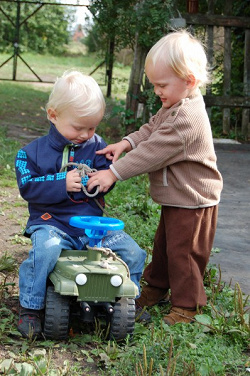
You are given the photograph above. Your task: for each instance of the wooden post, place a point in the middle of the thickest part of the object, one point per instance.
(110, 64)
(192, 6)
(245, 125)
(227, 69)
(16, 41)
(134, 90)
(210, 49)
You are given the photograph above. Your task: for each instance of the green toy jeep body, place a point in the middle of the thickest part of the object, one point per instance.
(97, 282)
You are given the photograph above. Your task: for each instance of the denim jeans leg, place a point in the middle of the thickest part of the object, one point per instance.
(129, 251)
(47, 243)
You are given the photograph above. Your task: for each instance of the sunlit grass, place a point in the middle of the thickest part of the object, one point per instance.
(49, 67)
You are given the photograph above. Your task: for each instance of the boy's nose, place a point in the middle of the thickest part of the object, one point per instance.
(84, 134)
(157, 91)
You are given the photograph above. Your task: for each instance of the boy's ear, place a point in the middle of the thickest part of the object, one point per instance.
(51, 114)
(191, 81)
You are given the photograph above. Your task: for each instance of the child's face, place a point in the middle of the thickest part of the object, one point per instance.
(167, 85)
(75, 129)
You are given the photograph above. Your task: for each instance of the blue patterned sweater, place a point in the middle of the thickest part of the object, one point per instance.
(44, 187)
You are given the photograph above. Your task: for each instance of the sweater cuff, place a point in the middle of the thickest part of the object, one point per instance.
(115, 172)
(130, 141)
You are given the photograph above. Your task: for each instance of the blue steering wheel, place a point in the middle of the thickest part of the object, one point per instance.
(96, 227)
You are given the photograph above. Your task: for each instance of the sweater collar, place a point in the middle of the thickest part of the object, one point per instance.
(57, 140)
(195, 94)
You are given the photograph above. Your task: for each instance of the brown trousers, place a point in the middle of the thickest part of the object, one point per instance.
(182, 246)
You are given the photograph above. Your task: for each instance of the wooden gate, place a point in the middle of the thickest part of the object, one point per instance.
(226, 21)
(17, 24)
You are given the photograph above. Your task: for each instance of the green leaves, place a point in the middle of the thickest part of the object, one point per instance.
(45, 31)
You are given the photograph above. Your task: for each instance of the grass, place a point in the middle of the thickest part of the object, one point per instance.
(48, 68)
(216, 345)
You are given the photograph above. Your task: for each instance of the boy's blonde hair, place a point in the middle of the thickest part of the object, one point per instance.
(77, 92)
(183, 53)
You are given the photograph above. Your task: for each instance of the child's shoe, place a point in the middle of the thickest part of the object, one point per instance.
(152, 295)
(180, 315)
(141, 315)
(29, 324)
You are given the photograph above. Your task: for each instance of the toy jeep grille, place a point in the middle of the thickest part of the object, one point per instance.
(98, 287)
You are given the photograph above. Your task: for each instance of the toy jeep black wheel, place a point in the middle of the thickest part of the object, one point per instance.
(57, 313)
(123, 319)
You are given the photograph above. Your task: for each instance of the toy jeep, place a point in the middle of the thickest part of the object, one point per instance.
(95, 281)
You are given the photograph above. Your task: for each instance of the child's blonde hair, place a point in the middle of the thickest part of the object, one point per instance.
(78, 92)
(183, 53)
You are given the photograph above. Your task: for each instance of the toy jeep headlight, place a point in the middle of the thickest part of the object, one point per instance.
(116, 280)
(81, 279)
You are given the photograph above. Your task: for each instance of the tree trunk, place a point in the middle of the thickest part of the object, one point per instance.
(134, 90)
(245, 126)
(227, 69)
(110, 63)
(210, 51)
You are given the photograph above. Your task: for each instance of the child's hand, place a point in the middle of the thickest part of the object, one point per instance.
(113, 151)
(73, 181)
(104, 179)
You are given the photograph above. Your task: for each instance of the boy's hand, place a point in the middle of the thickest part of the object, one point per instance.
(73, 181)
(104, 179)
(113, 151)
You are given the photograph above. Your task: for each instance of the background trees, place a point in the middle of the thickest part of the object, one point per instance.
(132, 24)
(46, 31)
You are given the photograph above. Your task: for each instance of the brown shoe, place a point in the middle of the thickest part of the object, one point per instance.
(152, 295)
(180, 315)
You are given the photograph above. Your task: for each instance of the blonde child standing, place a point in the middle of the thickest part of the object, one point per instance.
(176, 149)
(75, 108)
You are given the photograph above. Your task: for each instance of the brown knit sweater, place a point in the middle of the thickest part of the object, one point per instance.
(176, 149)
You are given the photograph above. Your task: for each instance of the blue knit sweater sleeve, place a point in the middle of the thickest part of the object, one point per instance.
(34, 187)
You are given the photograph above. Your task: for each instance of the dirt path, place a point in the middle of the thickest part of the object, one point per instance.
(14, 215)
(232, 235)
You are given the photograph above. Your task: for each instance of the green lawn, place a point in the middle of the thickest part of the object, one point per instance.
(49, 67)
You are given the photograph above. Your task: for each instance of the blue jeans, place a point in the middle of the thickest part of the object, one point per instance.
(47, 244)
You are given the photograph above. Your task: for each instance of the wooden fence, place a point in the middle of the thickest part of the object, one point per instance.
(226, 102)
